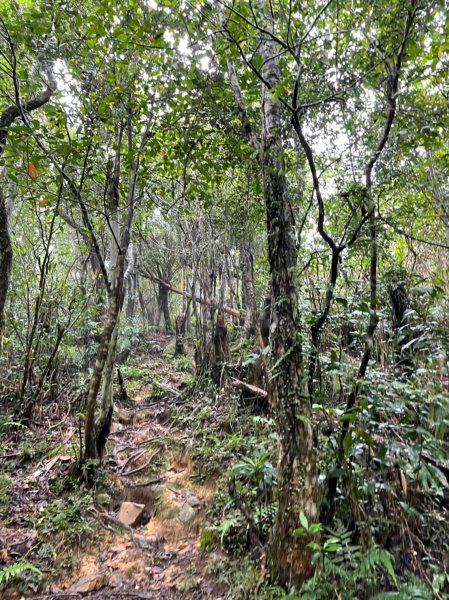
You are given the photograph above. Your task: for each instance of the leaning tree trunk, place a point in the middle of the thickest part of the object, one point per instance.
(104, 420)
(289, 556)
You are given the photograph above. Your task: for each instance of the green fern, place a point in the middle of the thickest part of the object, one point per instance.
(11, 571)
(408, 591)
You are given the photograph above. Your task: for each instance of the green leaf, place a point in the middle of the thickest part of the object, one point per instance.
(303, 520)
(347, 443)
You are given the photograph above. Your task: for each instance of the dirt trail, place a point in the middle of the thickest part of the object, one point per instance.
(161, 557)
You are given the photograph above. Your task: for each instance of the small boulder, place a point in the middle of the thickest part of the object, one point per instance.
(89, 583)
(187, 513)
(193, 501)
(131, 514)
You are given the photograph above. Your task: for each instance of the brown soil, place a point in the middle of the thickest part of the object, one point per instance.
(162, 558)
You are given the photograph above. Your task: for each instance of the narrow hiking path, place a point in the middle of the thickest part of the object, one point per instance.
(149, 521)
(161, 555)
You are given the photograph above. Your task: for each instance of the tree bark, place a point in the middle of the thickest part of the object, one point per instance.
(90, 431)
(221, 348)
(248, 290)
(180, 328)
(103, 422)
(95, 434)
(163, 307)
(289, 557)
(5, 264)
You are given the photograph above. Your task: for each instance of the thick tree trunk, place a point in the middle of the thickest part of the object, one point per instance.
(289, 556)
(163, 307)
(180, 328)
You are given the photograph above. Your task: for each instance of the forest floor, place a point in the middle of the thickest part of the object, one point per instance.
(81, 541)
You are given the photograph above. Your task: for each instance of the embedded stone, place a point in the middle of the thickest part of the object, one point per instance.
(193, 501)
(187, 513)
(89, 583)
(131, 514)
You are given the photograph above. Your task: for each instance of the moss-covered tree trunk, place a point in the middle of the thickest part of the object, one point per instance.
(5, 263)
(289, 556)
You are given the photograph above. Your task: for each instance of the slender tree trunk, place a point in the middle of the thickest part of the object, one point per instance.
(90, 432)
(132, 282)
(5, 264)
(95, 439)
(103, 422)
(248, 290)
(221, 348)
(7, 118)
(143, 308)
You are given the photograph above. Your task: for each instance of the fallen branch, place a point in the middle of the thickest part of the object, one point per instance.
(167, 388)
(247, 387)
(205, 301)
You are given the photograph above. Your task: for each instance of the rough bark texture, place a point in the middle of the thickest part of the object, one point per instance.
(248, 290)
(163, 307)
(5, 263)
(221, 348)
(180, 328)
(90, 441)
(289, 556)
(264, 322)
